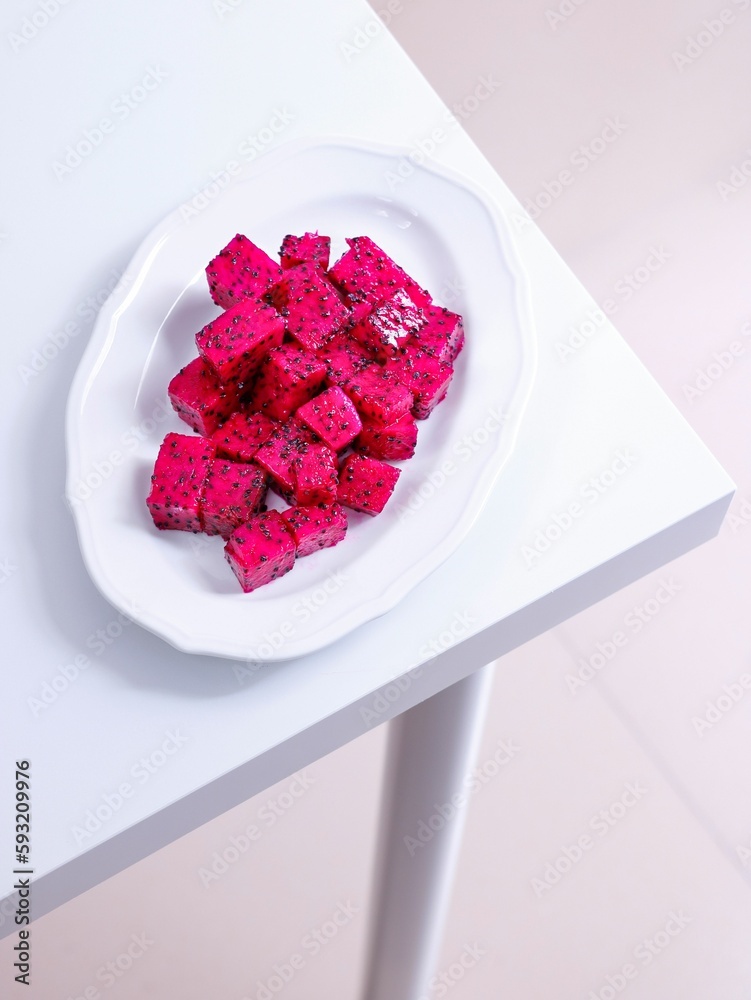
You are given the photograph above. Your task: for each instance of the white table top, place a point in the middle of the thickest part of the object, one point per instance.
(238, 728)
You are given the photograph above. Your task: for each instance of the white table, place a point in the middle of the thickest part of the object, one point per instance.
(222, 732)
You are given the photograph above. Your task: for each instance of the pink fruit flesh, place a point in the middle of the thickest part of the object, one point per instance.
(308, 249)
(389, 324)
(366, 484)
(332, 416)
(344, 358)
(314, 476)
(310, 306)
(396, 442)
(241, 271)
(242, 434)
(442, 335)
(425, 376)
(316, 528)
(235, 343)
(178, 482)
(368, 275)
(200, 399)
(261, 550)
(287, 379)
(303, 363)
(234, 493)
(277, 454)
(379, 398)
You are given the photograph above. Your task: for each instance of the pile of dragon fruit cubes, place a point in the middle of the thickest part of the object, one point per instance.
(310, 383)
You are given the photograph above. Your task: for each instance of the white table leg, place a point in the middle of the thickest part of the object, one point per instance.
(431, 749)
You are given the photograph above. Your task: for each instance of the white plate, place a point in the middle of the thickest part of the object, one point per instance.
(443, 231)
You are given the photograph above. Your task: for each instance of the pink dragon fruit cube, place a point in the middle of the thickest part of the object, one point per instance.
(179, 482)
(366, 484)
(235, 343)
(310, 306)
(242, 434)
(314, 476)
(332, 417)
(425, 376)
(241, 271)
(234, 493)
(344, 358)
(276, 455)
(307, 249)
(287, 379)
(200, 399)
(368, 275)
(389, 324)
(261, 550)
(396, 441)
(442, 335)
(316, 528)
(379, 397)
